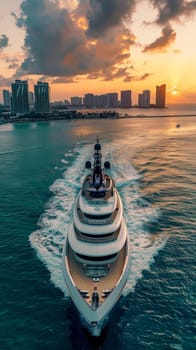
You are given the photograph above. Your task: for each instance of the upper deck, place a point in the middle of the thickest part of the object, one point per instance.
(98, 187)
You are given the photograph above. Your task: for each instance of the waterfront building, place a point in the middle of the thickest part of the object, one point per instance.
(112, 100)
(140, 100)
(102, 101)
(20, 103)
(6, 98)
(125, 100)
(31, 100)
(95, 100)
(88, 100)
(76, 101)
(31, 97)
(144, 99)
(160, 96)
(42, 100)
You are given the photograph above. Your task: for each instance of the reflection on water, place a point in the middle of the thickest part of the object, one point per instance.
(6, 127)
(153, 164)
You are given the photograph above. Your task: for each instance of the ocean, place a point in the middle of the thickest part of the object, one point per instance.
(41, 170)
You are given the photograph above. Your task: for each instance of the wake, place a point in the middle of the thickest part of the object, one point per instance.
(53, 224)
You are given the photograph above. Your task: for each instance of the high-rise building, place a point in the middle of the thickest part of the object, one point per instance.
(20, 104)
(140, 100)
(42, 97)
(88, 100)
(160, 96)
(112, 100)
(76, 101)
(31, 100)
(6, 98)
(102, 101)
(144, 99)
(125, 100)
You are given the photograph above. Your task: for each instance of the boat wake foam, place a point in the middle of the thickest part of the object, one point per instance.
(48, 240)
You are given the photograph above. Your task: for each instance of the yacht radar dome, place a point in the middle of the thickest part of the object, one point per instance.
(88, 164)
(97, 145)
(107, 165)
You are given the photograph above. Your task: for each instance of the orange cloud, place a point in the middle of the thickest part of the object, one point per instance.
(163, 42)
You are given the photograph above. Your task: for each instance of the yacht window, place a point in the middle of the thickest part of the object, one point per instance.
(97, 236)
(97, 217)
(97, 194)
(97, 258)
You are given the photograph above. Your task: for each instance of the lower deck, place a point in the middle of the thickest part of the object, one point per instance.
(99, 278)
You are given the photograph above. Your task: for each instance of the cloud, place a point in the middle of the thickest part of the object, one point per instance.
(63, 80)
(169, 11)
(176, 51)
(72, 39)
(58, 42)
(173, 9)
(14, 62)
(103, 15)
(3, 41)
(130, 78)
(5, 82)
(161, 44)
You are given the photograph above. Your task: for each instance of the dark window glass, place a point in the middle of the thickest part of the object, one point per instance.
(97, 258)
(97, 236)
(97, 194)
(97, 217)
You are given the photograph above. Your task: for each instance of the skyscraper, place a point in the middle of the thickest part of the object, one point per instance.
(125, 100)
(89, 100)
(112, 100)
(102, 101)
(140, 100)
(31, 100)
(20, 103)
(76, 101)
(42, 100)
(144, 99)
(6, 98)
(160, 96)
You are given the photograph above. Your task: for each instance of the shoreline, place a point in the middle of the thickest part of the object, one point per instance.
(91, 116)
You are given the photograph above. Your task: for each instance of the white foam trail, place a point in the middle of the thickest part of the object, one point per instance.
(138, 212)
(49, 239)
(64, 161)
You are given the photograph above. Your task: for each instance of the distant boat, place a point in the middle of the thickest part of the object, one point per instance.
(178, 125)
(96, 252)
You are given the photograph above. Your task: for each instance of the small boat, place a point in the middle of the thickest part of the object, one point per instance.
(96, 250)
(178, 125)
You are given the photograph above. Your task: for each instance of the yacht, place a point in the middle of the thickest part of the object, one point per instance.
(96, 250)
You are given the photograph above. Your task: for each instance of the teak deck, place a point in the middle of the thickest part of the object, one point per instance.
(89, 284)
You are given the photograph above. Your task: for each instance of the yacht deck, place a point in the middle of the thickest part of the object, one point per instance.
(103, 192)
(103, 280)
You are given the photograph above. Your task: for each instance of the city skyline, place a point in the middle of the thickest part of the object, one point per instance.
(84, 46)
(39, 100)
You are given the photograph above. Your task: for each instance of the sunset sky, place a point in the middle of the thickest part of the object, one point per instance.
(100, 46)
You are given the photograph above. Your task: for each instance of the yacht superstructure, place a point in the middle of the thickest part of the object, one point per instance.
(96, 250)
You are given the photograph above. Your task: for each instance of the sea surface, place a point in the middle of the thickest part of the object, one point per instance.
(41, 170)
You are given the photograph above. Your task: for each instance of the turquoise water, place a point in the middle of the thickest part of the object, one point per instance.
(41, 169)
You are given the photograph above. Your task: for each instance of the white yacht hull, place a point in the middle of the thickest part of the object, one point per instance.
(94, 320)
(96, 251)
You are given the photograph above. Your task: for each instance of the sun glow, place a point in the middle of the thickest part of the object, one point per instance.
(174, 92)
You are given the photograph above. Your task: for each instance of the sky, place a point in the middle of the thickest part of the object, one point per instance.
(100, 46)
